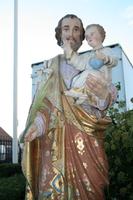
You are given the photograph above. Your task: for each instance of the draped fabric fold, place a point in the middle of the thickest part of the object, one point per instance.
(68, 162)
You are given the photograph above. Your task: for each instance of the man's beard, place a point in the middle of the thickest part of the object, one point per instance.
(76, 45)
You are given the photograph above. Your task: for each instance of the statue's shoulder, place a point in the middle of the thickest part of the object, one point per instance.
(54, 60)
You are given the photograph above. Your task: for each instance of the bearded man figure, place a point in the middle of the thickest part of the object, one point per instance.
(64, 157)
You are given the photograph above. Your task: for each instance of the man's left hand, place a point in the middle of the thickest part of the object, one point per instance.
(97, 85)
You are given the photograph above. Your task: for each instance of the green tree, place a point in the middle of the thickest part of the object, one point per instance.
(119, 149)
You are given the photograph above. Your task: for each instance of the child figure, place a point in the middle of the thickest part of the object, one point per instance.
(98, 63)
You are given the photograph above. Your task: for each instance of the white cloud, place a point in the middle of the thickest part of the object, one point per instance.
(130, 22)
(128, 14)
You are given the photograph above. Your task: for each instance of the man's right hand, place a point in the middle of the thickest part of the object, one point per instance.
(31, 134)
(37, 128)
(67, 49)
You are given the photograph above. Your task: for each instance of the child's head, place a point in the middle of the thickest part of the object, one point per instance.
(95, 35)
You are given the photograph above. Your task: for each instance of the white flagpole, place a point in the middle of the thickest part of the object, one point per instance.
(15, 122)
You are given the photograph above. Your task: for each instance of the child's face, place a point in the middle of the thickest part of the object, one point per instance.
(93, 37)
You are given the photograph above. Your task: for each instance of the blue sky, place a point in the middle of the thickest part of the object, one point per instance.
(37, 21)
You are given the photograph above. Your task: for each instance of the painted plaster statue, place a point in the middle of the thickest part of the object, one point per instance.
(63, 156)
(98, 63)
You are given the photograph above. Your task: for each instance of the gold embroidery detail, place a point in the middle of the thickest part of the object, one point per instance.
(87, 183)
(96, 143)
(85, 165)
(80, 143)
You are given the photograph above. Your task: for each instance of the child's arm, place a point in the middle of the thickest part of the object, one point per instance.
(107, 56)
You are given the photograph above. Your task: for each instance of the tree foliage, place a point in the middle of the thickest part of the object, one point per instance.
(12, 182)
(119, 149)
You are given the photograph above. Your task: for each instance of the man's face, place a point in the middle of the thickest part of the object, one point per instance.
(71, 31)
(93, 37)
